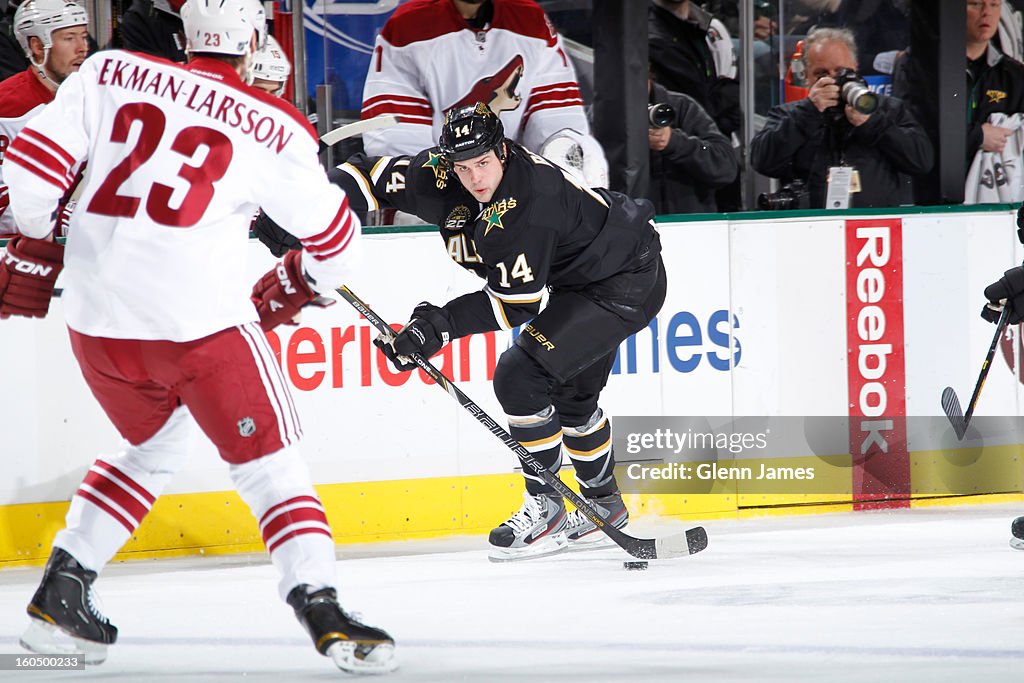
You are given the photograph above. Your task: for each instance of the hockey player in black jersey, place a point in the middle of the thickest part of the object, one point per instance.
(526, 227)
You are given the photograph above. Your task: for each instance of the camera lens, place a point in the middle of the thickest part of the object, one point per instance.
(660, 115)
(860, 98)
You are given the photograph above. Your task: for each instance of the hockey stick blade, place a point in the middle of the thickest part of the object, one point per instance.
(358, 128)
(951, 406)
(677, 545)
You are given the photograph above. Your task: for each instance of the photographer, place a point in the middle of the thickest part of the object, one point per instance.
(690, 157)
(876, 145)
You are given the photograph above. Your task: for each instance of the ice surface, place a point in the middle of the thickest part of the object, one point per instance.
(930, 595)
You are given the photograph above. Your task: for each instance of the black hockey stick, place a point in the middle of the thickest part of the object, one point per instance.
(951, 404)
(678, 545)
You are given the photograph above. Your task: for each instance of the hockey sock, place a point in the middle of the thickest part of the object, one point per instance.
(292, 521)
(118, 492)
(541, 435)
(589, 446)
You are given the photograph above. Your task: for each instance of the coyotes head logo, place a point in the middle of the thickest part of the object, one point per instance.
(498, 91)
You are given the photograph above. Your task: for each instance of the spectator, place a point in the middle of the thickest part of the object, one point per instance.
(433, 56)
(994, 115)
(995, 85)
(802, 140)
(154, 27)
(691, 53)
(690, 157)
(12, 57)
(995, 82)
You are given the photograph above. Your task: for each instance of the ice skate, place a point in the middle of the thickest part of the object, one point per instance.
(582, 534)
(534, 531)
(64, 616)
(1017, 534)
(354, 647)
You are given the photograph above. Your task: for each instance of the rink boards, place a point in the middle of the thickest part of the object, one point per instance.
(799, 315)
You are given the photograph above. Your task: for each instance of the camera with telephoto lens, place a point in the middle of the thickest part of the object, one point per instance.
(660, 115)
(794, 195)
(854, 91)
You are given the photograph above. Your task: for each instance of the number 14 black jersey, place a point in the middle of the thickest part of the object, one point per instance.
(541, 228)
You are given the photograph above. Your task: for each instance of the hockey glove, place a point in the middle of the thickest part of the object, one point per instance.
(1010, 288)
(429, 329)
(280, 294)
(278, 240)
(1020, 223)
(27, 276)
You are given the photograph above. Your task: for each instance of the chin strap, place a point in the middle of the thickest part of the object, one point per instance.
(41, 69)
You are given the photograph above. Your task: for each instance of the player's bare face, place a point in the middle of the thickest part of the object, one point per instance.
(70, 48)
(480, 175)
(271, 87)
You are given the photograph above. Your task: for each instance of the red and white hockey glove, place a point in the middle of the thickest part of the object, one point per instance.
(280, 294)
(28, 273)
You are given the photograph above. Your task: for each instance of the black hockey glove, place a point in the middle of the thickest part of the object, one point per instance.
(1011, 288)
(429, 329)
(1020, 223)
(278, 240)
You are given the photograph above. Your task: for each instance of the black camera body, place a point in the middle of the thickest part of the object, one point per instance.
(854, 91)
(794, 195)
(660, 115)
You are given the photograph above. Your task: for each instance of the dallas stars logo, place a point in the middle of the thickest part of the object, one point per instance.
(433, 163)
(494, 221)
(494, 213)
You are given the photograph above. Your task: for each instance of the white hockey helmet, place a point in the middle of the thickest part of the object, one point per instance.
(40, 18)
(271, 64)
(223, 27)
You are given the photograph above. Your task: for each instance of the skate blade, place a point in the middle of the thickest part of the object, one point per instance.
(348, 657)
(47, 639)
(549, 546)
(1017, 543)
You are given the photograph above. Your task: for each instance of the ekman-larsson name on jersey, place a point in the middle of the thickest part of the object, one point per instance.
(216, 105)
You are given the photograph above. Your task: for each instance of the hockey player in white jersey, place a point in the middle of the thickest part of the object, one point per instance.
(159, 313)
(271, 68)
(54, 37)
(435, 56)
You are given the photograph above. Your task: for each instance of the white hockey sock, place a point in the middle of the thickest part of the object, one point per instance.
(119, 491)
(292, 521)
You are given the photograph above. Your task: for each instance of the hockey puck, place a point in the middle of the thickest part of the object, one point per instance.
(641, 565)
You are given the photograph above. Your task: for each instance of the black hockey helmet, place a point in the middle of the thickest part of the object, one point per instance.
(471, 131)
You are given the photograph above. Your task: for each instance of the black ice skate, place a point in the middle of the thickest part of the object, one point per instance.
(1017, 534)
(534, 531)
(64, 608)
(354, 647)
(582, 534)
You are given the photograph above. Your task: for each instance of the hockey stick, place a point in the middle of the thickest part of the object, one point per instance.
(358, 128)
(951, 404)
(678, 545)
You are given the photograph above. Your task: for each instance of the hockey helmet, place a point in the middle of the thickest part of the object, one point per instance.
(271, 64)
(40, 18)
(471, 131)
(223, 27)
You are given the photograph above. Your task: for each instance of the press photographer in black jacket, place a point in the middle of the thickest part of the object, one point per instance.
(690, 158)
(803, 140)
